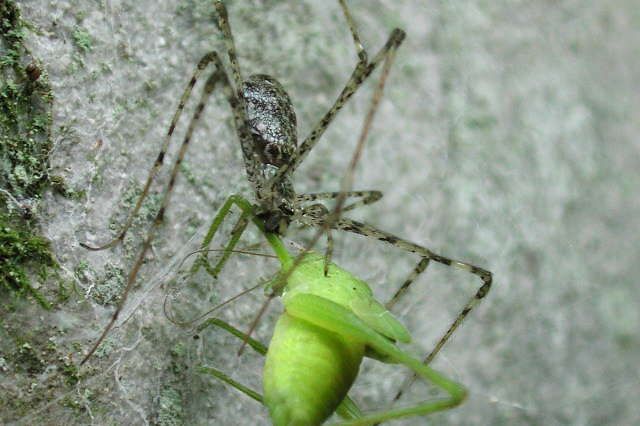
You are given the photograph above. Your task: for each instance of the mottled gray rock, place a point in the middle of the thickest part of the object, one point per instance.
(507, 137)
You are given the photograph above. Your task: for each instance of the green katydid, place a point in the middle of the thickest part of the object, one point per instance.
(329, 324)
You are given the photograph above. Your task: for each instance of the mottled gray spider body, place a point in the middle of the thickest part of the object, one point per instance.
(272, 124)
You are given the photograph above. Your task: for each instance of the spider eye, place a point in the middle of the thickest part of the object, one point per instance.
(286, 209)
(273, 153)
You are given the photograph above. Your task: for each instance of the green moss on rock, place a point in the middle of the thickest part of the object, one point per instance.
(25, 142)
(20, 250)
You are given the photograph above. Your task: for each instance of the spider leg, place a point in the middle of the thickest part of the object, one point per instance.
(358, 76)
(225, 27)
(367, 197)
(202, 65)
(473, 301)
(427, 255)
(417, 270)
(237, 105)
(347, 181)
(328, 254)
(251, 159)
(362, 54)
(218, 76)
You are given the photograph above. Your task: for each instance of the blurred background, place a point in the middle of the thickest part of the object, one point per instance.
(507, 137)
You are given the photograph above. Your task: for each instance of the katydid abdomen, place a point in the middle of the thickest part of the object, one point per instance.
(308, 372)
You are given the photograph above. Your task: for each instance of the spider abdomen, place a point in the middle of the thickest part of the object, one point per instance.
(271, 119)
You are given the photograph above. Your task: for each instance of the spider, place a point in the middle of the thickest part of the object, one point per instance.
(265, 124)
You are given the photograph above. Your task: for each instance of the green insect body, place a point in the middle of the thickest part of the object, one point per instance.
(330, 323)
(308, 372)
(309, 369)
